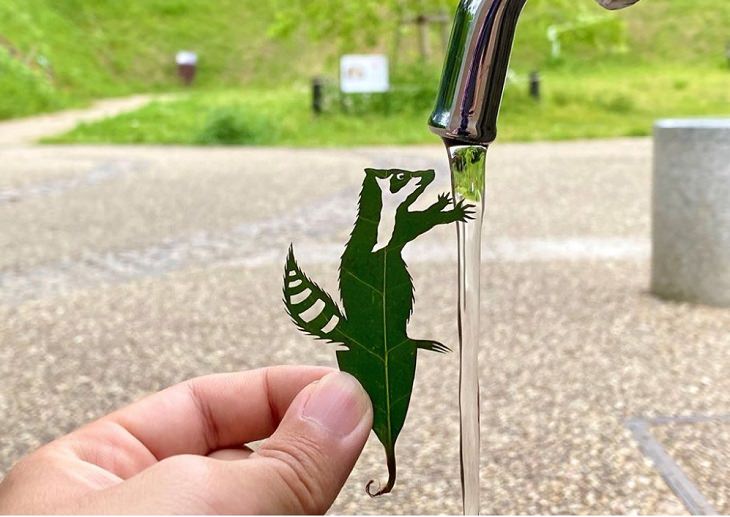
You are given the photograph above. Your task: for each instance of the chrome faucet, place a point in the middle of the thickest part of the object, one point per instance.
(476, 67)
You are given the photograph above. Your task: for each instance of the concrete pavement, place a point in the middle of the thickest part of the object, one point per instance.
(125, 269)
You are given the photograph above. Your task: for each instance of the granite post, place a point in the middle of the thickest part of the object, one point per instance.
(691, 211)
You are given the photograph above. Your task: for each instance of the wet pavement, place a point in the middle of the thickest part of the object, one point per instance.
(126, 269)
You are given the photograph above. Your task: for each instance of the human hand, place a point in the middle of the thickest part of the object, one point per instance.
(181, 451)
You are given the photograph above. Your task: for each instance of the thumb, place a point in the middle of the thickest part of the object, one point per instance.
(301, 468)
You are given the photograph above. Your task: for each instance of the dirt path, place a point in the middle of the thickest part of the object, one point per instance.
(28, 130)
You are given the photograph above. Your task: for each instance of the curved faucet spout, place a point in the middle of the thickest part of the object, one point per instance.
(473, 79)
(616, 4)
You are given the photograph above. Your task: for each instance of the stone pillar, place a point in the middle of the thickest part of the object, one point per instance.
(691, 211)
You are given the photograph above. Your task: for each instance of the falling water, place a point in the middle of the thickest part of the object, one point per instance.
(468, 170)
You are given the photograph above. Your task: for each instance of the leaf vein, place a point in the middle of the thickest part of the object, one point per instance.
(353, 275)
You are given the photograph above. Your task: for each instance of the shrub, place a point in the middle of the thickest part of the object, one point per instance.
(233, 125)
(618, 103)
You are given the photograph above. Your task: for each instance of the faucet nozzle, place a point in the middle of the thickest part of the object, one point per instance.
(616, 4)
(473, 78)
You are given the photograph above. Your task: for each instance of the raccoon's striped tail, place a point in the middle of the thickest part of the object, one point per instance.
(311, 309)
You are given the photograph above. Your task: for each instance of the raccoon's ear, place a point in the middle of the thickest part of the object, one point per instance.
(378, 173)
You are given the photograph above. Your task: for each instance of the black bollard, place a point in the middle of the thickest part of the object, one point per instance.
(317, 95)
(535, 85)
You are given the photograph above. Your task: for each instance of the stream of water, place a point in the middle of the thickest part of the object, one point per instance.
(468, 171)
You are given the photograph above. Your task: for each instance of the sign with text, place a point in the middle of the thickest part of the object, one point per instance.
(364, 73)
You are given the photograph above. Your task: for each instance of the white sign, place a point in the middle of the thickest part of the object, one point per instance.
(361, 73)
(186, 57)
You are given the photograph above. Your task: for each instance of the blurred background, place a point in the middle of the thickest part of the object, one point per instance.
(601, 74)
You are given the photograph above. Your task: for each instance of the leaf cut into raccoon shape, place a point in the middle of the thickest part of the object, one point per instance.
(377, 294)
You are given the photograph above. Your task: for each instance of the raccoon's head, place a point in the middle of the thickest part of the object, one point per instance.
(396, 180)
(398, 190)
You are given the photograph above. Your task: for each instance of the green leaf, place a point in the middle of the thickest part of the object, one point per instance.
(377, 295)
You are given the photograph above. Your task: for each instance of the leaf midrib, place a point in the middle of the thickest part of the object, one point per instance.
(385, 352)
(385, 359)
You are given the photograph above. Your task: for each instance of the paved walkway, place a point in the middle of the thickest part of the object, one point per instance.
(125, 269)
(30, 129)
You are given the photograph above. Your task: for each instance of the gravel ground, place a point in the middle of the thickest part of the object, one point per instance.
(124, 270)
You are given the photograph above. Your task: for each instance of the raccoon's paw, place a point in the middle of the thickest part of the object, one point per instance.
(443, 201)
(463, 212)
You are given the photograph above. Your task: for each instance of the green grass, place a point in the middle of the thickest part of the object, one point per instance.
(57, 53)
(24, 91)
(607, 101)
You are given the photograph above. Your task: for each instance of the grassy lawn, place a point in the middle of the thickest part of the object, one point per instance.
(58, 53)
(584, 103)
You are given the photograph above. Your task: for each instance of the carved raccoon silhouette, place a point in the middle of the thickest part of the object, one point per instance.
(377, 296)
